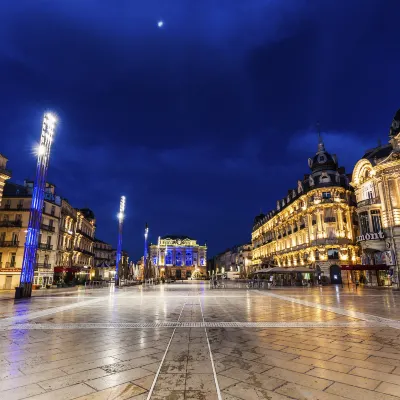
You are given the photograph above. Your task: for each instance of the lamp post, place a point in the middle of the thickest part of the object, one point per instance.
(35, 216)
(121, 217)
(146, 235)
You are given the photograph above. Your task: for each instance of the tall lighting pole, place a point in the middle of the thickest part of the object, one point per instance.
(146, 235)
(121, 217)
(35, 216)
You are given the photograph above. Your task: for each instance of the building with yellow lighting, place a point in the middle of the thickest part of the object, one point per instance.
(14, 219)
(5, 174)
(376, 180)
(314, 226)
(179, 257)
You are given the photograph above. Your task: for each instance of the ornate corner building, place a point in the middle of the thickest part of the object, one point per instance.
(314, 225)
(178, 256)
(376, 180)
(14, 218)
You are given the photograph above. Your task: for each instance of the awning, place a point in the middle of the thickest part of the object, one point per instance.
(279, 270)
(359, 267)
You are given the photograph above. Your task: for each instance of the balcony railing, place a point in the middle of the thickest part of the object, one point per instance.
(9, 243)
(89, 253)
(84, 234)
(43, 265)
(45, 246)
(5, 171)
(19, 207)
(11, 224)
(8, 264)
(47, 227)
(368, 202)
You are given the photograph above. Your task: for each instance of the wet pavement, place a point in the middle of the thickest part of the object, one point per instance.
(185, 341)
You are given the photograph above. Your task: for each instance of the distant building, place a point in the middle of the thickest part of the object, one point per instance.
(314, 226)
(4, 174)
(14, 218)
(237, 260)
(376, 179)
(180, 257)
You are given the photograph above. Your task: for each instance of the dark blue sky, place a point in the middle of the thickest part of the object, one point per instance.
(202, 123)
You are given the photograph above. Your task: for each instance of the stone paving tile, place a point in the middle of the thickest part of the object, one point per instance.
(350, 392)
(170, 382)
(244, 391)
(389, 388)
(168, 395)
(305, 393)
(68, 393)
(353, 380)
(21, 392)
(71, 369)
(108, 381)
(121, 392)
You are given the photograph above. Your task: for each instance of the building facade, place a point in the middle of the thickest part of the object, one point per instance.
(376, 180)
(14, 219)
(5, 174)
(314, 226)
(179, 257)
(103, 261)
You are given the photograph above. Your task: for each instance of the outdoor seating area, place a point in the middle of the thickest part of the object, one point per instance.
(277, 276)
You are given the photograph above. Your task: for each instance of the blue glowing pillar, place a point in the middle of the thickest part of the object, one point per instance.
(146, 235)
(121, 217)
(35, 216)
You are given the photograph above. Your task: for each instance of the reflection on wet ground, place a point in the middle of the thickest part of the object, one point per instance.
(184, 340)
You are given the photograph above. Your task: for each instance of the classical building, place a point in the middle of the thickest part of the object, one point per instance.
(237, 260)
(314, 225)
(376, 180)
(14, 218)
(4, 174)
(179, 256)
(75, 254)
(103, 260)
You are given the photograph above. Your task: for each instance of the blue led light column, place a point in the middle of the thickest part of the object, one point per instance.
(35, 216)
(121, 217)
(146, 267)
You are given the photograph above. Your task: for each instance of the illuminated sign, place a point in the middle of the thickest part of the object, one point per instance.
(371, 236)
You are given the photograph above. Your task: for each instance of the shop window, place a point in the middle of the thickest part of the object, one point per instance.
(376, 221)
(333, 254)
(364, 222)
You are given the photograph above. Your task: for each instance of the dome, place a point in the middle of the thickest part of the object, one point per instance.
(322, 161)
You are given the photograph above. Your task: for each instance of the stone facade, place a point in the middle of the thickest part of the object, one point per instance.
(14, 218)
(178, 256)
(376, 180)
(314, 225)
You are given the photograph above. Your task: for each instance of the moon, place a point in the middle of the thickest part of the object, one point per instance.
(160, 24)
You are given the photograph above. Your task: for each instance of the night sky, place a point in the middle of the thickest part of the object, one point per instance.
(203, 122)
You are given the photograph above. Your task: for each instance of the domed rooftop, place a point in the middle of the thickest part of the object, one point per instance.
(322, 161)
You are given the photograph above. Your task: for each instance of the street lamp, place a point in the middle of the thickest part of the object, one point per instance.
(35, 216)
(121, 216)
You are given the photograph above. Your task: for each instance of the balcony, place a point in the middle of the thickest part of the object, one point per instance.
(11, 224)
(8, 264)
(45, 246)
(326, 241)
(48, 228)
(43, 265)
(51, 213)
(19, 207)
(80, 231)
(89, 253)
(9, 243)
(4, 171)
(369, 202)
(329, 219)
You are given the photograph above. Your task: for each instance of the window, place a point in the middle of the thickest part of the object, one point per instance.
(168, 257)
(12, 259)
(18, 217)
(376, 221)
(333, 254)
(188, 261)
(53, 210)
(178, 259)
(364, 222)
(326, 195)
(316, 255)
(14, 237)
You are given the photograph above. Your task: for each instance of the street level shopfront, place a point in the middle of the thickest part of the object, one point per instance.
(368, 275)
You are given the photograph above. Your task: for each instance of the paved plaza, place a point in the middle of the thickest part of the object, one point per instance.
(185, 341)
